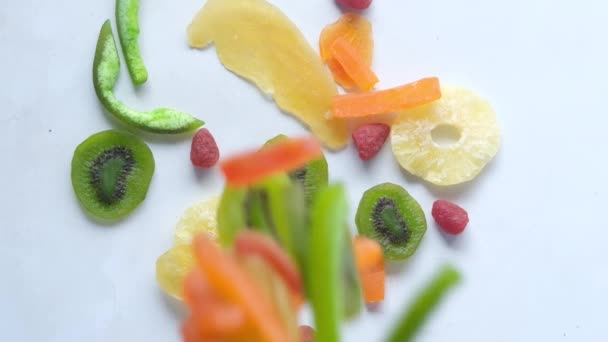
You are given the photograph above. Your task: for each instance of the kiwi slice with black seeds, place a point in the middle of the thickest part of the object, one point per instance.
(388, 214)
(111, 174)
(312, 176)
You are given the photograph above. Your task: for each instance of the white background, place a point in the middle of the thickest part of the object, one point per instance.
(534, 255)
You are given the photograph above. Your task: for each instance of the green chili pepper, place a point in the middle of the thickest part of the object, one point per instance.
(427, 300)
(127, 21)
(106, 68)
(327, 226)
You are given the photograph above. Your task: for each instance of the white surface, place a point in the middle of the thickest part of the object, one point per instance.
(533, 256)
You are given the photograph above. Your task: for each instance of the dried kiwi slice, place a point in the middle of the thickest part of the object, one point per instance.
(388, 214)
(313, 176)
(111, 173)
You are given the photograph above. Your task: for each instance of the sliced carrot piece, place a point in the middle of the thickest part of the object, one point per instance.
(387, 101)
(210, 316)
(230, 281)
(253, 243)
(357, 31)
(288, 155)
(373, 286)
(370, 264)
(353, 64)
(368, 254)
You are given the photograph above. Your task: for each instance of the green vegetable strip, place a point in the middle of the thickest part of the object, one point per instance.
(328, 215)
(231, 215)
(127, 20)
(106, 68)
(426, 301)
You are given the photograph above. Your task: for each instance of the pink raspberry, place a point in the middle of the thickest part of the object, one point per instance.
(204, 152)
(355, 4)
(369, 139)
(450, 217)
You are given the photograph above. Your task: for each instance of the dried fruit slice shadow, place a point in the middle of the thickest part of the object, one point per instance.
(111, 174)
(388, 214)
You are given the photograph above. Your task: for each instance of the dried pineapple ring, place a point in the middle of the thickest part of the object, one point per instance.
(475, 122)
(172, 268)
(198, 219)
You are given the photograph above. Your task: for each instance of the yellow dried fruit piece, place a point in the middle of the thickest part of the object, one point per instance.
(255, 40)
(461, 117)
(198, 219)
(173, 267)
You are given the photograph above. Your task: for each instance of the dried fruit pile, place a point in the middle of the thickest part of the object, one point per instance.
(278, 237)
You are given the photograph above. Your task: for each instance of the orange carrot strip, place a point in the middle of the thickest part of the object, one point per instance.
(373, 286)
(251, 167)
(354, 65)
(370, 264)
(357, 31)
(210, 316)
(253, 243)
(229, 280)
(387, 101)
(368, 254)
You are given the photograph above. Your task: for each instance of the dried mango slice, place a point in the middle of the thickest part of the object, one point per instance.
(357, 31)
(477, 137)
(198, 219)
(257, 41)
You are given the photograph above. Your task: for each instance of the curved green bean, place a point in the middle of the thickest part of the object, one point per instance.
(127, 21)
(412, 319)
(106, 68)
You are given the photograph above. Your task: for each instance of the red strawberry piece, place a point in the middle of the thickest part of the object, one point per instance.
(307, 334)
(355, 4)
(369, 139)
(450, 217)
(204, 152)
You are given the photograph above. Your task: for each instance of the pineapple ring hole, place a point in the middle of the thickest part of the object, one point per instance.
(445, 135)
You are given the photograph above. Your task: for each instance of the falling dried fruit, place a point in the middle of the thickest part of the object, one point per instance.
(463, 110)
(255, 40)
(204, 152)
(450, 217)
(357, 31)
(285, 156)
(369, 139)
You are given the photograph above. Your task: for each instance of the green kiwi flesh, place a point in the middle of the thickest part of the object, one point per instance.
(388, 214)
(111, 174)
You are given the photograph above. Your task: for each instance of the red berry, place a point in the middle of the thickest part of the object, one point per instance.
(307, 334)
(370, 138)
(355, 4)
(204, 152)
(451, 218)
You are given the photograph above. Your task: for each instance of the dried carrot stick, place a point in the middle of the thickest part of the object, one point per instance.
(284, 156)
(370, 264)
(229, 280)
(387, 101)
(353, 64)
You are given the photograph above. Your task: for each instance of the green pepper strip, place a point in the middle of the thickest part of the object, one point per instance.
(328, 215)
(127, 20)
(106, 68)
(412, 319)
